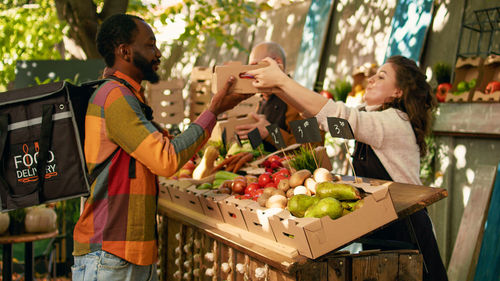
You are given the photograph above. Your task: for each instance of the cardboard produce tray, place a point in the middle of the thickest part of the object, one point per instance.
(384, 202)
(313, 237)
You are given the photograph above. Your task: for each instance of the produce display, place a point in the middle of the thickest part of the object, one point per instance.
(290, 182)
(303, 193)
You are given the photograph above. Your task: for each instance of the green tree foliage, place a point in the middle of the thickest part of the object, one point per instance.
(29, 31)
(35, 29)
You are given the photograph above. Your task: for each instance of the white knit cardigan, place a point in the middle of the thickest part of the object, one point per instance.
(388, 132)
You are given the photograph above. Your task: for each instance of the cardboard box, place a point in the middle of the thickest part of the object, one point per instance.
(165, 184)
(229, 124)
(231, 209)
(201, 73)
(314, 237)
(243, 84)
(491, 72)
(188, 198)
(243, 108)
(257, 220)
(466, 69)
(210, 204)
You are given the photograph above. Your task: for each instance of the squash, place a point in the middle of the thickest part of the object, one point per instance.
(4, 222)
(206, 165)
(40, 219)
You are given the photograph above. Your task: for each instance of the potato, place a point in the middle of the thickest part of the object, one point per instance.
(262, 200)
(276, 201)
(322, 174)
(310, 183)
(269, 191)
(290, 193)
(284, 185)
(299, 177)
(278, 192)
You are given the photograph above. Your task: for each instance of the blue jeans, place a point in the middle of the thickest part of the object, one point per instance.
(101, 265)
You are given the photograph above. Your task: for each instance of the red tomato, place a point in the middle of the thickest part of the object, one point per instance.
(264, 179)
(251, 188)
(277, 178)
(273, 158)
(326, 94)
(270, 184)
(282, 171)
(492, 87)
(257, 193)
(276, 164)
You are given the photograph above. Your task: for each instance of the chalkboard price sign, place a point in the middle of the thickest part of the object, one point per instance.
(306, 130)
(277, 138)
(254, 137)
(339, 128)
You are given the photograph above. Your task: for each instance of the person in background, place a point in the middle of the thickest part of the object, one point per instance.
(271, 110)
(390, 133)
(115, 237)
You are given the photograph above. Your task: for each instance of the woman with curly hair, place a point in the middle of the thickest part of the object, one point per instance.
(390, 132)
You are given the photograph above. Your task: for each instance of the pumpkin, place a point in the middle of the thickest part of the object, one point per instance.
(40, 219)
(4, 222)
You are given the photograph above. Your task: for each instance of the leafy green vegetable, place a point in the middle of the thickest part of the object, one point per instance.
(303, 159)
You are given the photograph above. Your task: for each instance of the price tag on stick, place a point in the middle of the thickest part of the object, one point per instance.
(223, 138)
(238, 140)
(339, 128)
(306, 130)
(276, 136)
(254, 137)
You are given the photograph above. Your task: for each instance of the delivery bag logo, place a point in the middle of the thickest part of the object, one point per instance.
(26, 160)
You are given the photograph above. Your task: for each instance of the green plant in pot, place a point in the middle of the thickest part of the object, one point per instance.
(16, 225)
(342, 88)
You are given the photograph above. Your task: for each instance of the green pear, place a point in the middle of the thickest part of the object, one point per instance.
(325, 207)
(339, 191)
(298, 204)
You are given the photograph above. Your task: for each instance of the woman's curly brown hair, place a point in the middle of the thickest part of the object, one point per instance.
(417, 100)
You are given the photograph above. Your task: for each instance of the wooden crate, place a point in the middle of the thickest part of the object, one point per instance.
(200, 92)
(193, 253)
(165, 98)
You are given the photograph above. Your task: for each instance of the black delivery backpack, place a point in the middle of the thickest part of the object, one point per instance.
(42, 130)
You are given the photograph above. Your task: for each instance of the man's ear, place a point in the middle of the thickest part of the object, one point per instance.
(124, 52)
(279, 61)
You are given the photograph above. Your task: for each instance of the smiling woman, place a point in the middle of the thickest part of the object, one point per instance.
(389, 131)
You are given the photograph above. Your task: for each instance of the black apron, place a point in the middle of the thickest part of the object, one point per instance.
(398, 234)
(275, 111)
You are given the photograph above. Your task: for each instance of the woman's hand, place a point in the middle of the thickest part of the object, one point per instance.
(261, 123)
(269, 76)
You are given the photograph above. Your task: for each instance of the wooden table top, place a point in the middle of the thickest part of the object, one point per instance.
(27, 237)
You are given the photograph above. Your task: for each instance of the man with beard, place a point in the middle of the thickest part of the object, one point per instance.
(115, 237)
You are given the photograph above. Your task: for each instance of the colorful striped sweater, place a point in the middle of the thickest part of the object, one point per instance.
(120, 214)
